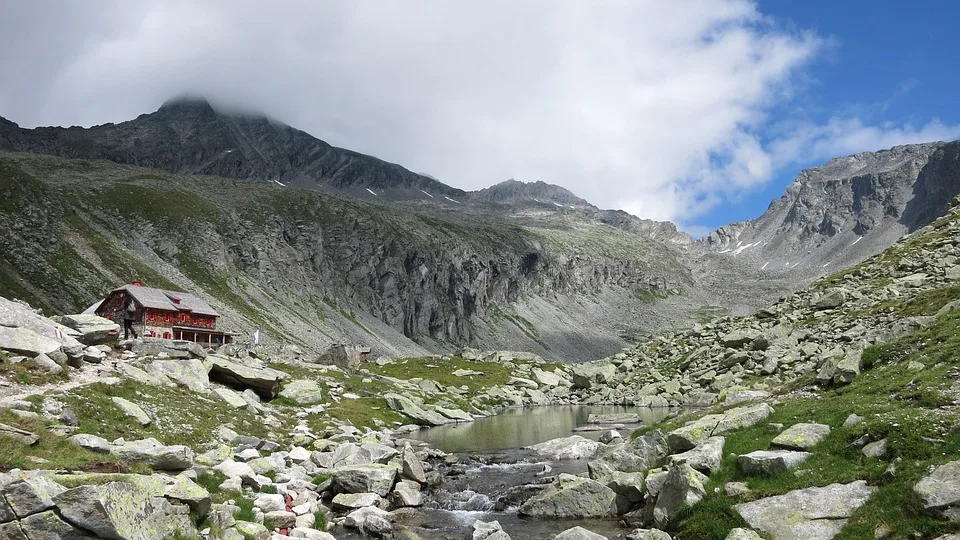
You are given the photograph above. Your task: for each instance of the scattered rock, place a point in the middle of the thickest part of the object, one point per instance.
(818, 512)
(801, 436)
(770, 462)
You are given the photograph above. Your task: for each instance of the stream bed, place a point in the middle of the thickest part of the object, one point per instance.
(489, 464)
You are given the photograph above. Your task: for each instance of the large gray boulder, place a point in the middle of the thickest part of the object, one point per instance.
(27, 342)
(261, 379)
(641, 454)
(172, 348)
(31, 495)
(770, 462)
(692, 434)
(831, 299)
(590, 374)
(573, 447)
(571, 497)
(683, 487)
(372, 478)
(190, 373)
(741, 338)
(418, 414)
(91, 329)
(411, 466)
(801, 436)
(371, 520)
(818, 512)
(155, 454)
(23, 331)
(940, 491)
(49, 525)
(302, 391)
(705, 457)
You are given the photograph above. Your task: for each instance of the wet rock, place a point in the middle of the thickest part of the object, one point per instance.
(818, 512)
(489, 530)
(801, 436)
(579, 533)
(571, 497)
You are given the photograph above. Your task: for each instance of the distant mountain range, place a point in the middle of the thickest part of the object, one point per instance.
(283, 232)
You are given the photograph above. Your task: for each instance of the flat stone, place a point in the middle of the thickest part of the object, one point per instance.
(769, 462)
(801, 436)
(705, 457)
(231, 397)
(579, 533)
(818, 512)
(355, 500)
(90, 442)
(940, 490)
(573, 447)
(691, 435)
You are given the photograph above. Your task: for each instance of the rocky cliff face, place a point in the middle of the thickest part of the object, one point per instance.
(319, 269)
(838, 214)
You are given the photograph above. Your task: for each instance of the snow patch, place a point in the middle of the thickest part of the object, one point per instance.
(279, 183)
(826, 265)
(764, 265)
(558, 205)
(859, 238)
(427, 194)
(726, 250)
(371, 192)
(740, 249)
(451, 200)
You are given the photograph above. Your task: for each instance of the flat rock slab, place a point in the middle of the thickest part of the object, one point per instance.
(811, 513)
(770, 462)
(705, 457)
(690, 435)
(801, 436)
(573, 447)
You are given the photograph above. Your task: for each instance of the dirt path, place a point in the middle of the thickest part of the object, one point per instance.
(11, 391)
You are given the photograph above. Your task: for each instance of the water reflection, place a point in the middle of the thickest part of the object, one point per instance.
(516, 428)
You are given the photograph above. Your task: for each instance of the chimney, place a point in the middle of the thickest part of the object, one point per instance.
(136, 283)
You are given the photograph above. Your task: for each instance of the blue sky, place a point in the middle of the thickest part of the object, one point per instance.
(884, 63)
(696, 111)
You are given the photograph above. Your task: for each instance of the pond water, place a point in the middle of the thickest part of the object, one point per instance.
(492, 461)
(516, 428)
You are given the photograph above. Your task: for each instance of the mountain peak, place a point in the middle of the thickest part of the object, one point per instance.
(188, 103)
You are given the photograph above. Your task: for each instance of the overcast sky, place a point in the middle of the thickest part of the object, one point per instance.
(693, 111)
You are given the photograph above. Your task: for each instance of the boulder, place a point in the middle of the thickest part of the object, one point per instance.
(31, 495)
(352, 501)
(741, 338)
(817, 512)
(548, 379)
(186, 491)
(705, 457)
(831, 299)
(155, 454)
(491, 530)
(48, 364)
(940, 490)
(847, 369)
(640, 454)
(231, 398)
(171, 348)
(573, 447)
(190, 373)
(49, 525)
(91, 329)
(371, 520)
(302, 391)
(571, 497)
(648, 534)
(262, 380)
(579, 533)
(770, 462)
(132, 410)
(406, 494)
(419, 415)
(590, 374)
(90, 442)
(683, 487)
(692, 434)
(127, 509)
(627, 485)
(743, 534)
(411, 466)
(372, 478)
(801, 436)
(20, 435)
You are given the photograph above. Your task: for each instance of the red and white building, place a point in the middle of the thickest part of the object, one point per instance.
(166, 314)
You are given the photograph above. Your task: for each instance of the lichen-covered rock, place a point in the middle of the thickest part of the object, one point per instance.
(132, 410)
(770, 462)
(355, 500)
(31, 495)
(801, 436)
(940, 490)
(573, 447)
(421, 416)
(372, 478)
(185, 490)
(683, 487)
(262, 380)
(571, 497)
(691, 435)
(189, 373)
(705, 457)
(302, 391)
(155, 454)
(818, 512)
(48, 525)
(743, 534)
